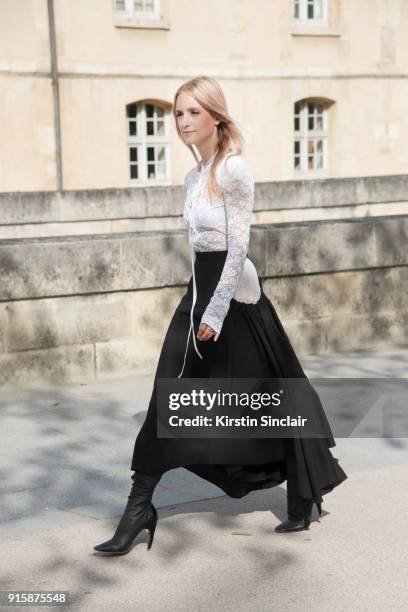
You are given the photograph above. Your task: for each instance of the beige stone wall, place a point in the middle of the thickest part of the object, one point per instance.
(263, 62)
(112, 211)
(86, 308)
(85, 338)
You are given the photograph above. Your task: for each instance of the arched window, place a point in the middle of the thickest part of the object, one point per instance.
(311, 131)
(148, 129)
(310, 11)
(137, 8)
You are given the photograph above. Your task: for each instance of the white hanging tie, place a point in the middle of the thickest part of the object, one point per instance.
(191, 328)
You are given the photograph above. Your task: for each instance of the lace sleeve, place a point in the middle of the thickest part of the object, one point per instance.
(238, 189)
(187, 187)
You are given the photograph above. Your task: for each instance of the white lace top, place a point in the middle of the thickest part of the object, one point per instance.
(222, 223)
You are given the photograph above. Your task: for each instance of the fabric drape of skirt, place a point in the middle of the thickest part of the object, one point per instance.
(252, 344)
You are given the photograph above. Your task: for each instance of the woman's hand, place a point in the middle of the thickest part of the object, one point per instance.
(205, 332)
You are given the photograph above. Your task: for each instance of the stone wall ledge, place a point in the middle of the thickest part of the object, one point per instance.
(163, 201)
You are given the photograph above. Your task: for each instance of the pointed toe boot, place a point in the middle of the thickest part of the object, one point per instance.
(139, 514)
(293, 525)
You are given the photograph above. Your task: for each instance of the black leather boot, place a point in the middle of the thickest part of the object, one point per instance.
(299, 508)
(296, 523)
(139, 514)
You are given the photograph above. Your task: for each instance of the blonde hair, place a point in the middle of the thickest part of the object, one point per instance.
(209, 94)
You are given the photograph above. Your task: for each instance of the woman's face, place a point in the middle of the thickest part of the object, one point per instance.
(195, 123)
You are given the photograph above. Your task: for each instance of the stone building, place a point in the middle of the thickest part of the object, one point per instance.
(318, 86)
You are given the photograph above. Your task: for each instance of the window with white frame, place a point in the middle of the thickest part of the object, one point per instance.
(148, 129)
(137, 8)
(310, 11)
(311, 131)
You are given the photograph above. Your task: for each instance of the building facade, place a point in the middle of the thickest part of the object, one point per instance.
(319, 88)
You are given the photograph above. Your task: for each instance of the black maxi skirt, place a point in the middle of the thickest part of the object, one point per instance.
(252, 344)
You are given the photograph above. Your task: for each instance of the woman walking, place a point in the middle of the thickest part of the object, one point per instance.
(224, 327)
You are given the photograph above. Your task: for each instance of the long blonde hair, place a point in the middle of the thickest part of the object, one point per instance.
(209, 94)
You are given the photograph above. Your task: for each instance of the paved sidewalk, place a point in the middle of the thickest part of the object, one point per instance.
(65, 475)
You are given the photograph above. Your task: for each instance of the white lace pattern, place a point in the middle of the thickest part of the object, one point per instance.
(223, 223)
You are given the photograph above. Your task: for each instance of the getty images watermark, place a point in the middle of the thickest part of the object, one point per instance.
(281, 407)
(209, 401)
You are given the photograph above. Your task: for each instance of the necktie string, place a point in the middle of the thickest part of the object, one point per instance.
(191, 236)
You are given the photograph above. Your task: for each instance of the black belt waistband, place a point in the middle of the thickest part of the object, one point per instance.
(210, 254)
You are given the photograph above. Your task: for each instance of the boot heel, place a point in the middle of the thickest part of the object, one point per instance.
(152, 528)
(151, 536)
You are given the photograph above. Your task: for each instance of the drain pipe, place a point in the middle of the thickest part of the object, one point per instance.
(55, 94)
